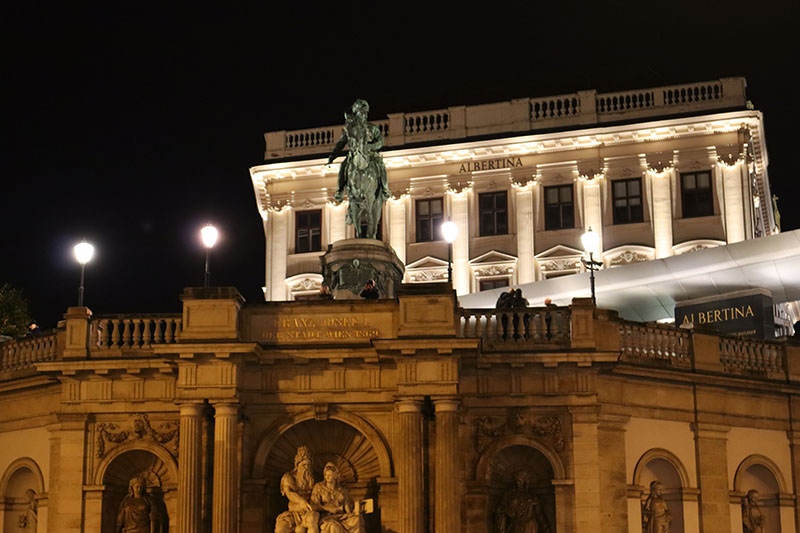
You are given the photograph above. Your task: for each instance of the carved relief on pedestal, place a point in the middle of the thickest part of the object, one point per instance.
(522, 422)
(109, 434)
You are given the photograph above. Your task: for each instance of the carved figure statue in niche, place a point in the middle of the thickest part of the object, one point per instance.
(753, 520)
(29, 520)
(139, 512)
(362, 174)
(519, 510)
(301, 517)
(655, 513)
(335, 504)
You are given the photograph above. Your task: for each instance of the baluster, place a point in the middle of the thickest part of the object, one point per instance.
(492, 322)
(126, 333)
(136, 333)
(158, 333)
(116, 333)
(147, 335)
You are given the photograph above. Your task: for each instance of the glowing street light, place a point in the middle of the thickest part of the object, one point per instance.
(449, 232)
(83, 254)
(591, 243)
(209, 236)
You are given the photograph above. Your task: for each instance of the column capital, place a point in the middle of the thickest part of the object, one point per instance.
(408, 405)
(613, 422)
(225, 408)
(704, 430)
(191, 408)
(445, 405)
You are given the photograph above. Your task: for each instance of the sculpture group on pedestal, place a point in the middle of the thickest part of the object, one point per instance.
(520, 511)
(324, 507)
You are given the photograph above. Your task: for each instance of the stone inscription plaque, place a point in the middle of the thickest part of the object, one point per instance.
(312, 328)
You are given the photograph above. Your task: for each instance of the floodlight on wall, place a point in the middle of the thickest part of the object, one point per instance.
(591, 243)
(450, 233)
(209, 236)
(83, 254)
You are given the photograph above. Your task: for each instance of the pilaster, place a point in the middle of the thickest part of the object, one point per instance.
(734, 201)
(525, 234)
(459, 213)
(397, 226)
(711, 449)
(225, 498)
(586, 468)
(411, 486)
(335, 222)
(447, 492)
(592, 209)
(276, 228)
(67, 452)
(661, 200)
(614, 497)
(190, 481)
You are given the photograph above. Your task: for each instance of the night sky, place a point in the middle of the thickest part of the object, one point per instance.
(132, 128)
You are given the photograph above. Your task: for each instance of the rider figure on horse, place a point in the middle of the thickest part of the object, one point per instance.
(362, 174)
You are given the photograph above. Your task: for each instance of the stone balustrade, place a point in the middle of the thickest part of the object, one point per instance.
(523, 329)
(748, 357)
(21, 354)
(524, 115)
(663, 345)
(133, 333)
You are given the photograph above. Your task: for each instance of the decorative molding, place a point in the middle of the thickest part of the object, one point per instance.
(304, 283)
(138, 428)
(694, 246)
(521, 422)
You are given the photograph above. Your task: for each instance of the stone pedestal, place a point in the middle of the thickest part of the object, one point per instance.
(348, 264)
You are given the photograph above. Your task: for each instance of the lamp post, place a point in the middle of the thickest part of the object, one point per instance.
(83, 254)
(450, 232)
(591, 241)
(209, 236)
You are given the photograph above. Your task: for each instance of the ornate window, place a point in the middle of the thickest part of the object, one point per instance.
(559, 211)
(493, 213)
(429, 220)
(627, 196)
(696, 194)
(308, 231)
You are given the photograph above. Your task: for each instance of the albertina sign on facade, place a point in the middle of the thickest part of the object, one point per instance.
(742, 313)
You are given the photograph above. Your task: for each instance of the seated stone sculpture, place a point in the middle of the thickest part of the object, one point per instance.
(301, 517)
(337, 509)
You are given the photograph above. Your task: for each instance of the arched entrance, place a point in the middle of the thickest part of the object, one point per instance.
(127, 465)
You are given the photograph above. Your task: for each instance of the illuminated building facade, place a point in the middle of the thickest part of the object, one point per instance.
(656, 172)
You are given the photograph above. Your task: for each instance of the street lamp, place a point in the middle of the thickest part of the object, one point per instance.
(450, 232)
(83, 254)
(209, 236)
(591, 241)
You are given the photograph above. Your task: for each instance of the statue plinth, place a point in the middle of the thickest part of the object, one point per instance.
(348, 264)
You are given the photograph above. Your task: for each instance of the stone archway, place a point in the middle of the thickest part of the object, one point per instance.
(328, 440)
(758, 472)
(130, 463)
(664, 466)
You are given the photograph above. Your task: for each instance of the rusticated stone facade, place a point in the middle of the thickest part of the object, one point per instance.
(435, 417)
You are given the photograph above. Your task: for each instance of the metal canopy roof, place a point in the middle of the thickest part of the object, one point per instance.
(647, 291)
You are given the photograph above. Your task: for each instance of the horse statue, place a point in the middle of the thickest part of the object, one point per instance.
(362, 174)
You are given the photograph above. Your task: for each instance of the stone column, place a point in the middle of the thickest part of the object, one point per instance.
(711, 449)
(411, 487)
(190, 480)
(397, 227)
(525, 233)
(447, 493)
(225, 503)
(276, 229)
(794, 447)
(459, 213)
(585, 458)
(614, 496)
(661, 199)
